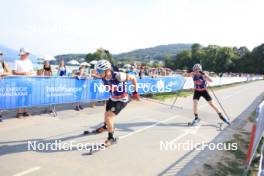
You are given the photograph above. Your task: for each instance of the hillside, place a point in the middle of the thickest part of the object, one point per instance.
(68, 57)
(153, 53)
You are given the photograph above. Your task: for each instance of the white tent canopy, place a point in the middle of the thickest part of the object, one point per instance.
(93, 62)
(85, 64)
(82, 60)
(73, 62)
(47, 58)
(127, 65)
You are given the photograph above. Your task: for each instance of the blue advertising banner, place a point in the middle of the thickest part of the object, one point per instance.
(18, 92)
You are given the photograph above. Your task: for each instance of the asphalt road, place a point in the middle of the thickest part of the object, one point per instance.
(142, 127)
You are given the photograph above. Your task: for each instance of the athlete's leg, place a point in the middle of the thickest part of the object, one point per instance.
(196, 97)
(213, 105)
(109, 120)
(195, 104)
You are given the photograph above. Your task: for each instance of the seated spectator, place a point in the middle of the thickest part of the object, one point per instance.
(4, 71)
(24, 67)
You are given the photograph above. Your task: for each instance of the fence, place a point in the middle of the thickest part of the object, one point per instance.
(20, 92)
(256, 135)
(218, 81)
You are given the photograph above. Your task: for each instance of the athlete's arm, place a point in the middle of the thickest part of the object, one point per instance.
(126, 77)
(135, 95)
(95, 74)
(133, 80)
(207, 78)
(122, 77)
(189, 73)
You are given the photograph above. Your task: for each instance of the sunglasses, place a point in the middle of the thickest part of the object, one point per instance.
(100, 71)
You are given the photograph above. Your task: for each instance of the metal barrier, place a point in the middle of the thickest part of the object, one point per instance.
(219, 81)
(256, 135)
(21, 91)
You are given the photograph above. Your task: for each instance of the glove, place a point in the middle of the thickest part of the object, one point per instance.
(135, 96)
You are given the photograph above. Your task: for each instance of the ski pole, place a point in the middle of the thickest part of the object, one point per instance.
(223, 109)
(177, 94)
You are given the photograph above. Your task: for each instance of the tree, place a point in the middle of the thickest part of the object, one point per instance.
(184, 60)
(256, 61)
(89, 57)
(99, 54)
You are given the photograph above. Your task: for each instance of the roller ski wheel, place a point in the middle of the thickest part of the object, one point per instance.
(87, 132)
(194, 122)
(110, 142)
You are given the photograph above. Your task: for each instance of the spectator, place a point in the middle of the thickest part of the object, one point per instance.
(141, 72)
(146, 71)
(62, 69)
(24, 67)
(79, 74)
(94, 75)
(4, 71)
(132, 71)
(47, 69)
(40, 72)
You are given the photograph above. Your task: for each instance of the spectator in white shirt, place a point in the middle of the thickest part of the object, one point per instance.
(23, 66)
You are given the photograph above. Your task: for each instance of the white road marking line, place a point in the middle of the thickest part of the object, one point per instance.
(27, 171)
(189, 131)
(147, 127)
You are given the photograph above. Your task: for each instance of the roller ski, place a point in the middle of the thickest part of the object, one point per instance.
(195, 121)
(109, 142)
(97, 131)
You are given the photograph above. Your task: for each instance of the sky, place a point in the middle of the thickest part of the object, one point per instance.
(80, 26)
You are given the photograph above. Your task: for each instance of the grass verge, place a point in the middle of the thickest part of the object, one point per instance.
(232, 162)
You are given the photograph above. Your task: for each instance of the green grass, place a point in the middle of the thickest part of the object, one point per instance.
(232, 162)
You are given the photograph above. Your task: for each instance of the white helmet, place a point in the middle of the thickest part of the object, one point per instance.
(103, 65)
(197, 67)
